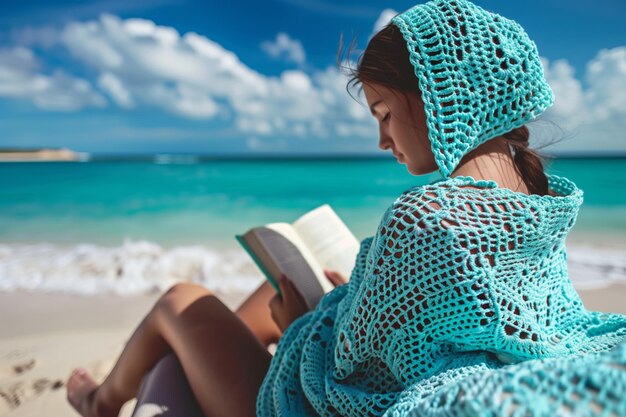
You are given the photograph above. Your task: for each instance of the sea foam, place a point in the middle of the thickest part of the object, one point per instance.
(590, 267)
(139, 267)
(135, 267)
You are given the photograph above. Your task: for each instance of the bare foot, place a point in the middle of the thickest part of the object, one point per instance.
(81, 391)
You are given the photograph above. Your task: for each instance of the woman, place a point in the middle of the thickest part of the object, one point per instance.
(460, 304)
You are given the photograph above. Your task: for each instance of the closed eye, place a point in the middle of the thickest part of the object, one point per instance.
(386, 117)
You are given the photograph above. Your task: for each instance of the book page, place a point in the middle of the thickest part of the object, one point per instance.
(329, 239)
(293, 258)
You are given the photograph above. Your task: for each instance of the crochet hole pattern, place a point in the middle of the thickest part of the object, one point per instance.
(535, 389)
(494, 48)
(423, 232)
(459, 305)
(479, 75)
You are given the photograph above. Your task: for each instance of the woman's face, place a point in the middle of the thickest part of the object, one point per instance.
(402, 127)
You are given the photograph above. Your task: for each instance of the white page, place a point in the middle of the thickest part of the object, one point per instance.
(329, 239)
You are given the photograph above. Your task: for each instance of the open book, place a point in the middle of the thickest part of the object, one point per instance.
(301, 250)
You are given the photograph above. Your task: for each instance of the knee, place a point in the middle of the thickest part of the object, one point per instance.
(178, 297)
(183, 289)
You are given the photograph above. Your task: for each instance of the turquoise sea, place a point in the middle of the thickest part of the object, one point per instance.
(95, 213)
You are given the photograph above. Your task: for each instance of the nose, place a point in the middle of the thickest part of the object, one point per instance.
(384, 141)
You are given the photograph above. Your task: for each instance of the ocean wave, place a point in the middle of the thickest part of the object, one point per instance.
(139, 267)
(135, 267)
(590, 267)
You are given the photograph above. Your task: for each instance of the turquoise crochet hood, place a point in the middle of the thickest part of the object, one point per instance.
(479, 74)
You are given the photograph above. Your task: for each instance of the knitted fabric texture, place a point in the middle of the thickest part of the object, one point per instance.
(459, 305)
(479, 75)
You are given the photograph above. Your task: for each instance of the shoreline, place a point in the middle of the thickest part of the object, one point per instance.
(143, 267)
(615, 239)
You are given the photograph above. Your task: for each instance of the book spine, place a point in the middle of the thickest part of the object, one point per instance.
(258, 263)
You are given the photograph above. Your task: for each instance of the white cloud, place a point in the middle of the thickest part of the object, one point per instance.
(114, 87)
(383, 19)
(186, 101)
(85, 41)
(20, 78)
(594, 118)
(141, 63)
(606, 76)
(569, 99)
(286, 47)
(154, 64)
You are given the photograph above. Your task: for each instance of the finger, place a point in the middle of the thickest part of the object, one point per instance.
(331, 275)
(288, 289)
(275, 302)
(283, 283)
(296, 295)
(335, 277)
(292, 294)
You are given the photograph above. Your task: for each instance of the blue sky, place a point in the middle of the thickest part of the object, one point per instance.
(249, 77)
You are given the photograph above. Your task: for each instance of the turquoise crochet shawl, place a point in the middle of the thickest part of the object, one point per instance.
(459, 305)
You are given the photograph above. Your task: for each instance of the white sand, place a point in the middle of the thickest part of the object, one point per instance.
(44, 336)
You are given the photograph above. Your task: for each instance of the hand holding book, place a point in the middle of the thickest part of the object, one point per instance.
(303, 250)
(286, 308)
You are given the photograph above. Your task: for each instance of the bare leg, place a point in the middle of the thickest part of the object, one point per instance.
(165, 390)
(224, 361)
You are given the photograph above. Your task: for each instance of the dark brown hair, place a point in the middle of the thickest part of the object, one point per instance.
(386, 62)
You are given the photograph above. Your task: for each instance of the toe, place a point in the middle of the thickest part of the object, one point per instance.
(79, 386)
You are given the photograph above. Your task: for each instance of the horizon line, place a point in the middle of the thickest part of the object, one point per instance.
(284, 155)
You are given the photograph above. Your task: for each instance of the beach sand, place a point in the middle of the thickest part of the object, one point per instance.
(44, 336)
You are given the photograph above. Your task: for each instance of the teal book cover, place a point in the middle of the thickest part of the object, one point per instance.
(257, 261)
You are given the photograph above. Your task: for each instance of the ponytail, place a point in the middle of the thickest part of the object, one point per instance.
(528, 162)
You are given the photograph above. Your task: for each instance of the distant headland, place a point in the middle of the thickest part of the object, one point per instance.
(41, 155)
